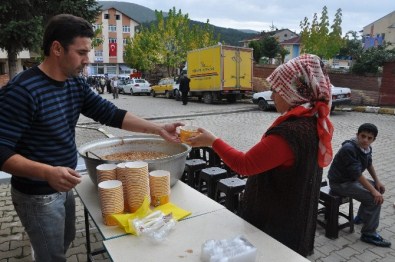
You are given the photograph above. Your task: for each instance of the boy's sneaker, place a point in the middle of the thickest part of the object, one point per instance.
(357, 220)
(375, 239)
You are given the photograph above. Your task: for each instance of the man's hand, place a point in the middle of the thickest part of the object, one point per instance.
(63, 179)
(169, 132)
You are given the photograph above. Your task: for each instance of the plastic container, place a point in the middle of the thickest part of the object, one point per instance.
(237, 249)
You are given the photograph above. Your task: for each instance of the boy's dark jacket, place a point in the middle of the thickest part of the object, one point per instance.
(349, 163)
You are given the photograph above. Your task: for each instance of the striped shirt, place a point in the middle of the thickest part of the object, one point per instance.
(38, 116)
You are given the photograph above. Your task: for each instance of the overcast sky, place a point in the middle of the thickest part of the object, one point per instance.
(260, 14)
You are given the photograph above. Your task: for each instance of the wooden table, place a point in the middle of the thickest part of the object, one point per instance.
(185, 241)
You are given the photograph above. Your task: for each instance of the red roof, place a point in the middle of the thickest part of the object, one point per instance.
(295, 40)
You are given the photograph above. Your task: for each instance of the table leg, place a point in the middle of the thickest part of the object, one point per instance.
(87, 235)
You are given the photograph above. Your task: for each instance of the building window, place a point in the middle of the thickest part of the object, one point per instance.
(117, 17)
(106, 16)
(112, 40)
(98, 52)
(111, 69)
(112, 28)
(125, 29)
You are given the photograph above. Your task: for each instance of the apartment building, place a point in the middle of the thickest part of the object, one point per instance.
(107, 58)
(380, 31)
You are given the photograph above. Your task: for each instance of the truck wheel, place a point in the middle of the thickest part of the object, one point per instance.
(263, 105)
(231, 99)
(208, 98)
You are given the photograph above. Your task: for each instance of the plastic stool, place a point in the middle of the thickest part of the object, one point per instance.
(192, 166)
(231, 187)
(331, 203)
(210, 176)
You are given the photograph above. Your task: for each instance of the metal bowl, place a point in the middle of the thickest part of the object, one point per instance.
(174, 163)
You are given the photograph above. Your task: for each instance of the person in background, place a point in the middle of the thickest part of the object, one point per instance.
(39, 110)
(346, 179)
(184, 88)
(114, 87)
(284, 168)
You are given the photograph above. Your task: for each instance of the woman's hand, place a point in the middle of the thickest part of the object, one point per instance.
(205, 138)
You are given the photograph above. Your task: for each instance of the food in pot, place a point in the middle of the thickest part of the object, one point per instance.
(134, 156)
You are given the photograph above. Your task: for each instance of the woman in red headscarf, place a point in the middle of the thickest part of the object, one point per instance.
(284, 168)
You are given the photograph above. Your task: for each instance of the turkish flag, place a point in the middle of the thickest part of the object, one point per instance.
(113, 49)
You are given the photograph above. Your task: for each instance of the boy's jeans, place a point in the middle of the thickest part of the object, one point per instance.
(49, 221)
(368, 211)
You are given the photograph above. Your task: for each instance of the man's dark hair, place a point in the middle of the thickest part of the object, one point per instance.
(64, 28)
(369, 128)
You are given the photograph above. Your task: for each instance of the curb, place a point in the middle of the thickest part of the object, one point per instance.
(369, 109)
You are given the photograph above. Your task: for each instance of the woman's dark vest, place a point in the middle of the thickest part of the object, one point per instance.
(283, 202)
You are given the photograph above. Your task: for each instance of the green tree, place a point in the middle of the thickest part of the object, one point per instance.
(282, 53)
(166, 41)
(270, 47)
(316, 38)
(22, 23)
(352, 46)
(371, 59)
(257, 50)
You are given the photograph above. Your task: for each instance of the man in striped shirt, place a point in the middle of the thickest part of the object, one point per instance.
(39, 109)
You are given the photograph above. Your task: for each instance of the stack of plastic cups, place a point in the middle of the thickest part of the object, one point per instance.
(106, 172)
(111, 200)
(159, 181)
(137, 184)
(121, 176)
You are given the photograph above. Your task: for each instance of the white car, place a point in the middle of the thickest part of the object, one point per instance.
(137, 86)
(340, 96)
(263, 100)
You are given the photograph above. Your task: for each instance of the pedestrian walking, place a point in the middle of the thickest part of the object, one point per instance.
(39, 110)
(114, 87)
(184, 88)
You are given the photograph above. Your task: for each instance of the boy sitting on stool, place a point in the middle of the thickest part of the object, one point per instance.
(346, 179)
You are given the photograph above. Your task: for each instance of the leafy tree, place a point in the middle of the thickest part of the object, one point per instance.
(22, 23)
(270, 47)
(371, 59)
(282, 54)
(352, 46)
(167, 41)
(257, 50)
(316, 37)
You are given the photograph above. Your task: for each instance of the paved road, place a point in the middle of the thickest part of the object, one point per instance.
(242, 125)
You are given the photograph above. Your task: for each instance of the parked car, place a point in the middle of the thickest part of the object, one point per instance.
(263, 100)
(340, 96)
(135, 86)
(166, 86)
(121, 85)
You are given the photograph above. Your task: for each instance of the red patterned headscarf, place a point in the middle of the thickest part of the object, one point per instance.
(303, 83)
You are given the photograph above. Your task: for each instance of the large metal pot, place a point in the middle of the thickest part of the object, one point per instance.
(174, 163)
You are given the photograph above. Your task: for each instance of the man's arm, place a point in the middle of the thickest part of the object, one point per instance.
(141, 125)
(60, 178)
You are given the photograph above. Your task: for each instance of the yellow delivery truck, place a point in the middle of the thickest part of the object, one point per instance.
(220, 72)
